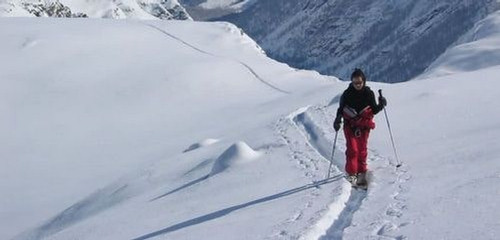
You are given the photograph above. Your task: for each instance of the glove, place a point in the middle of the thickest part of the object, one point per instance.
(382, 101)
(336, 124)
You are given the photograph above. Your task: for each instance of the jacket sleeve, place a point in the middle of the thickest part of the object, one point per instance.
(341, 106)
(373, 104)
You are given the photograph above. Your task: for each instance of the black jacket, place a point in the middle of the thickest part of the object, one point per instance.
(358, 100)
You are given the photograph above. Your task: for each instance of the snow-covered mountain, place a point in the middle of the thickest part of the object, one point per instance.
(392, 40)
(187, 130)
(209, 9)
(137, 9)
(478, 49)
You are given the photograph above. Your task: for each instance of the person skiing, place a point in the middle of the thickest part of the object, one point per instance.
(357, 107)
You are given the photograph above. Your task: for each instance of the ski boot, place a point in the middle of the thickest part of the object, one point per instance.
(361, 181)
(352, 179)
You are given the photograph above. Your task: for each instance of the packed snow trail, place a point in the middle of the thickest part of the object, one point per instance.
(315, 137)
(344, 219)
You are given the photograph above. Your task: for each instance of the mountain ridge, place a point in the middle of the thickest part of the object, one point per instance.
(137, 9)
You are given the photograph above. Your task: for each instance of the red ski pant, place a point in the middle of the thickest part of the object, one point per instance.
(356, 152)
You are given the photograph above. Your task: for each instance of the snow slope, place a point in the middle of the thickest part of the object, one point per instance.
(105, 138)
(97, 115)
(479, 51)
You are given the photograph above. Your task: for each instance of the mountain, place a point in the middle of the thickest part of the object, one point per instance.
(478, 49)
(392, 41)
(209, 9)
(137, 9)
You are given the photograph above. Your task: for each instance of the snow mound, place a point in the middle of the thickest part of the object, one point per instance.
(204, 143)
(236, 155)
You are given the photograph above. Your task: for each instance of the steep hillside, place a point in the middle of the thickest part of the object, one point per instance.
(477, 49)
(392, 40)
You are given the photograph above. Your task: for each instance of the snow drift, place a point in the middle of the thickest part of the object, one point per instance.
(236, 155)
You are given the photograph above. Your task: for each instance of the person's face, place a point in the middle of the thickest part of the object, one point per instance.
(357, 82)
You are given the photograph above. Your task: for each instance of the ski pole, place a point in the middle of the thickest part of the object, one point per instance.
(390, 133)
(333, 152)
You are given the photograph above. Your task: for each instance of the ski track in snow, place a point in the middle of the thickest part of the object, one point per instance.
(316, 139)
(308, 161)
(386, 224)
(250, 69)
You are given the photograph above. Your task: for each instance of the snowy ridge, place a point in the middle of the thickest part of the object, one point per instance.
(137, 9)
(480, 50)
(208, 9)
(221, 4)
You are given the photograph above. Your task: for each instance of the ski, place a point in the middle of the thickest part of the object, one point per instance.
(333, 178)
(360, 187)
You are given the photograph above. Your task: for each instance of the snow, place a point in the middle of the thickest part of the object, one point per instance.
(186, 130)
(237, 155)
(481, 50)
(97, 114)
(204, 143)
(120, 9)
(225, 4)
(102, 8)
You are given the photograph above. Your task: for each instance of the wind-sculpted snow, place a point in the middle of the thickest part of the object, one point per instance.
(204, 143)
(237, 155)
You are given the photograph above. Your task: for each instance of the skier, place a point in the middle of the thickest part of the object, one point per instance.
(357, 106)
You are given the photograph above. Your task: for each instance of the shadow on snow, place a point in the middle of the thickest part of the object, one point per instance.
(226, 211)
